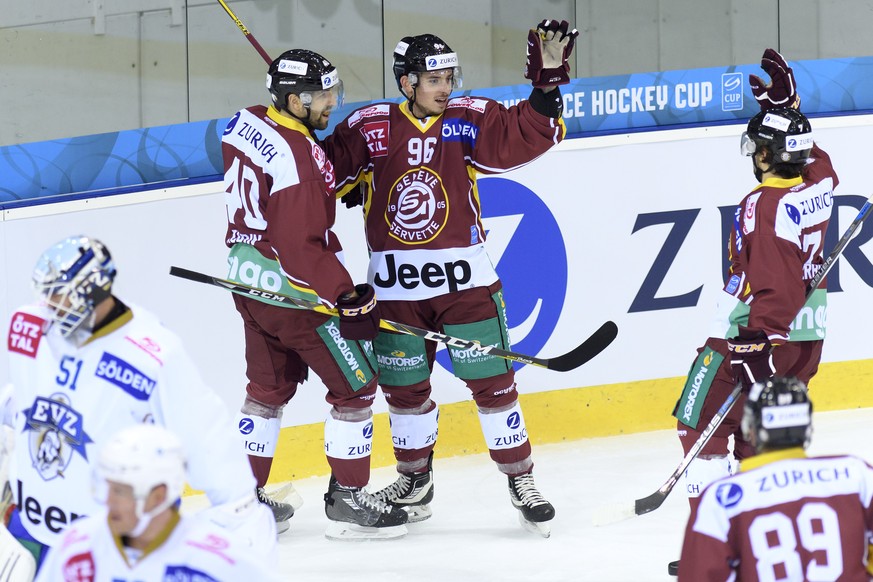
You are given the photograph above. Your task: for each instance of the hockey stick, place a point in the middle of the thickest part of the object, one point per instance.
(619, 512)
(249, 36)
(596, 343)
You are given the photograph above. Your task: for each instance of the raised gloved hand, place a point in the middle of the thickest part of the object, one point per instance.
(751, 359)
(358, 313)
(548, 48)
(782, 90)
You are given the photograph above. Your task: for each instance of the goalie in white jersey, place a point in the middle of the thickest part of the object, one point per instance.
(141, 535)
(784, 516)
(84, 365)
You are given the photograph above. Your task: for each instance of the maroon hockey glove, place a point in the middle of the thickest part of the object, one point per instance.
(358, 314)
(548, 48)
(751, 359)
(782, 90)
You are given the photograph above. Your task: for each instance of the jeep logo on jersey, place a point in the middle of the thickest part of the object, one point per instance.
(56, 430)
(417, 207)
(526, 246)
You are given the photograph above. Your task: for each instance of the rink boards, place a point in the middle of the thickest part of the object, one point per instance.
(628, 228)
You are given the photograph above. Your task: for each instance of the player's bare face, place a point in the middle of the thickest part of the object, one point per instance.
(323, 104)
(432, 93)
(121, 505)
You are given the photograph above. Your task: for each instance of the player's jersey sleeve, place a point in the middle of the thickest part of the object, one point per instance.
(194, 412)
(355, 141)
(509, 137)
(706, 553)
(279, 193)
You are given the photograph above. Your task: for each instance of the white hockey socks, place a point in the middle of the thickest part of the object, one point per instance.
(503, 429)
(259, 426)
(348, 434)
(702, 472)
(411, 430)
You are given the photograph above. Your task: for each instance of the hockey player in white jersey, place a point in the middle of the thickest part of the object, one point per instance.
(140, 535)
(83, 365)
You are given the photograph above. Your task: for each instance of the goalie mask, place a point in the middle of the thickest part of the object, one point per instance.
(306, 74)
(72, 278)
(778, 413)
(425, 52)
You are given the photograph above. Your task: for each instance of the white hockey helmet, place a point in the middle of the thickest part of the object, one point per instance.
(144, 456)
(72, 278)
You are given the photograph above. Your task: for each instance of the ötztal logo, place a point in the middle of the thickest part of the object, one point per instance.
(418, 207)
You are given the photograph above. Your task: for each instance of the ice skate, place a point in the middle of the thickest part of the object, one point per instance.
(355, 514)
(282, 512)
(534, 512)
(288, 494)
(411, 492)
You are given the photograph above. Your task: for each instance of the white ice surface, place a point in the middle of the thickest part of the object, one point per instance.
(474, 532)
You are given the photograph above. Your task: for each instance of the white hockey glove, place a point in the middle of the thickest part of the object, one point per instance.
(549, 46)
(16, 561)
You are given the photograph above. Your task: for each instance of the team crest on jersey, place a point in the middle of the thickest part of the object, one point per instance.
(56, 431)
(417, 207)
(25, 331)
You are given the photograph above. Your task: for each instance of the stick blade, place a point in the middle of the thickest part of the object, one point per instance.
(592, 346)
(612, 513)
(650, 503)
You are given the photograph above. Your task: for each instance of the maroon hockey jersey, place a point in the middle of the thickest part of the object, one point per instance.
(423, 217)
(784, 517)
(776, 249)
(280, 199)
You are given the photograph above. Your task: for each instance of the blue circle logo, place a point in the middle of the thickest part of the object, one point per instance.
(728, 494)
(368, 431)
(513, 421)
(431, 63)
(231, 124)
(246, 425)
(525, 245)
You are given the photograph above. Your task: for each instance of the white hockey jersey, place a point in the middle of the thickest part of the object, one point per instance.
(193, 550)
(67, 400)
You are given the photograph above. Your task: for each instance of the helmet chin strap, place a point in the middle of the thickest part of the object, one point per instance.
(145, 517)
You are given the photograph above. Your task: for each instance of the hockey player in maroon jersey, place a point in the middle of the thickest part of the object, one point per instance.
(418, 162)
(783, 516)
(280, 209)
(763, 323)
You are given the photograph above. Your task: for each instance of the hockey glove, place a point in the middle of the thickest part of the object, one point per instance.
(751, 359)
(358, 314)
(548, 48)
(354, 197)
(782, 90)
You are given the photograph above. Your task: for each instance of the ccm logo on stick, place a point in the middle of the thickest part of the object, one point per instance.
(432, 275)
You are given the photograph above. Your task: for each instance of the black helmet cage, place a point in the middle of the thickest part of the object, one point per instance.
(301, 72)
(422, 53)
(778, 412)
(787, 133)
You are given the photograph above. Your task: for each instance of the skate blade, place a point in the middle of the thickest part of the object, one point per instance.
(418, 512)
(288, 494)
(282, 526)
(540, 528)
(350, 532)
